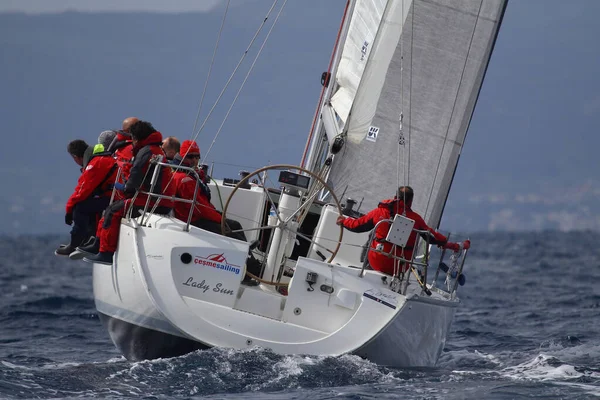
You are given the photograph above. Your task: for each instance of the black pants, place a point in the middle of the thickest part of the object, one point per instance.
(216, 228)
(85, 217)
(136, 212)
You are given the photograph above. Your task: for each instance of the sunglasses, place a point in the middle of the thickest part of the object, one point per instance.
(190, 156)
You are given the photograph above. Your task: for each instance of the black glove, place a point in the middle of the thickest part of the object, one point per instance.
(69, 218)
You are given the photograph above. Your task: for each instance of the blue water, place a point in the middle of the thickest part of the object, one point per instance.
(528, 327)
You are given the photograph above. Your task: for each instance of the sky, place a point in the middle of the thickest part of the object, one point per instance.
(58, 6)
(72, 69)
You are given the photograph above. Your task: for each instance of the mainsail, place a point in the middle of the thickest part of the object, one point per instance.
(406, 85)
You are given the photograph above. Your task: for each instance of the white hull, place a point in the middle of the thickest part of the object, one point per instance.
(151, 310)
(415, 338)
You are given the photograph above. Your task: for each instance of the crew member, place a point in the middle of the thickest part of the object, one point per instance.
(146, 145)
(92, 193)
(387, 209)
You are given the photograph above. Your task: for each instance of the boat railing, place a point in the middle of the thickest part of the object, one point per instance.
(148, 207)
(412, 263)
(437, 271)
(392, 254)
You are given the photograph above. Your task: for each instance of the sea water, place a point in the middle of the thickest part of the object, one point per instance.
(528, 327)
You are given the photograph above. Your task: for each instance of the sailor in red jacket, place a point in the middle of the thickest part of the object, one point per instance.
(205, 215)
(185, 184)
(92, 193)
(387, 209)
(146, 146)
(123, 148)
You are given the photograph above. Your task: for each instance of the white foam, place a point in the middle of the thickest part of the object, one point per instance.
(539, 369)
(289, 366)
(468, 356)
(12, 366)
(489, 357)
(119, 359)
(60, 365)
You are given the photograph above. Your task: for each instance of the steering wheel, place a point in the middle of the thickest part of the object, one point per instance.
(297, 216)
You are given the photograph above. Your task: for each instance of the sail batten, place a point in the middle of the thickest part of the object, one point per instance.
(427, 63)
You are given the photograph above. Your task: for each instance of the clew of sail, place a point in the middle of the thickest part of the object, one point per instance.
(406, 111)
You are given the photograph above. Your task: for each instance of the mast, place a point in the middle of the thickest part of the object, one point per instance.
(314, 143)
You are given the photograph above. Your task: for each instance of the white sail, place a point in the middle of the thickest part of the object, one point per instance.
(363, 28)
(360, 76)
(427, 63)
(371, 33)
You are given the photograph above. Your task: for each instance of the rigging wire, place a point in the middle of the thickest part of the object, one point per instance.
(401, 140)
(246, 78)
(223, 90)
(462, 74)
(210, 67)
(412, 38)
(235, 70)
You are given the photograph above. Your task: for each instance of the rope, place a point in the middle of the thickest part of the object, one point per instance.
(453, 107)
(246, 78)
(210, 67)
(251, 167)
(265, 282)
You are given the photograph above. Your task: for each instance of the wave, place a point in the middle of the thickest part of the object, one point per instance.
(252, 370)
(559, 361)
(520, 330)
(260, 373)
(545, 367)
(203, 373)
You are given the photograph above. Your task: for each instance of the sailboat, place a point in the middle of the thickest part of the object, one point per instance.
(395, 107)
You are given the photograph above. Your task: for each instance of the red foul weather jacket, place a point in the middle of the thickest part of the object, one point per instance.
(123, 153)
(140, 174)
(96, 179)
(387, 209)
(203, 209)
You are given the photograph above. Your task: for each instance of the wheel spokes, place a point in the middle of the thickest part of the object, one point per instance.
(298, 215)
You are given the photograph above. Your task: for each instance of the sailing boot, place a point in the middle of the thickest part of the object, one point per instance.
(65, 250)
(91, 247)
(103, 257)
